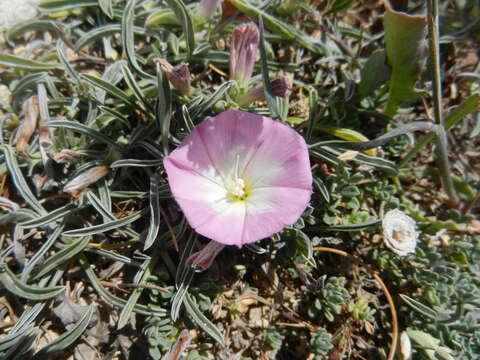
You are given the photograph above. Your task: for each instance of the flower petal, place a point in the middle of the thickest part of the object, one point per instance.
(269, 210)
(227, 226)
(196, 194)
(280, 161)
(233, 134)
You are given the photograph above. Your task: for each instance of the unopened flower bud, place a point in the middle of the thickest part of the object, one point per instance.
(203, 259)
(399, 232)
(178, 76)
(243, 52)
(278, 86)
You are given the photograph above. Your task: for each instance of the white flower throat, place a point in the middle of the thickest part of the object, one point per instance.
(237, 189)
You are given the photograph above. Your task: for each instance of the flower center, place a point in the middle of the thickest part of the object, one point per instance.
(237, 190)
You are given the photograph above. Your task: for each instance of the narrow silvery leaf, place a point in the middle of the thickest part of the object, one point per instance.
(154, 212)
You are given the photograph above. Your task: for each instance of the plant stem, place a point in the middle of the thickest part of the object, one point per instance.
(442, 151)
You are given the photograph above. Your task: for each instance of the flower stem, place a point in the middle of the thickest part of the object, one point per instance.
(441, 144)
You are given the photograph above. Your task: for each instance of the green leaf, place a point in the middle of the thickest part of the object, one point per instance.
(99, 32)
(286, 31)
(30, 81)
(143, 275)
(336, 6)
(419, 307)
(107, 7)
(19, 288)
(136, 163)
(19, 181)
(25, 64)
(64, 61)
(133, 85)
(41, 252)
(128, 41)
(163, 108)
(57, 5)
(67, 338)
(348, 227)
(111, 225)
(185, 20)
(375, 73)
(405, 42)
(76, 126)
(54, 261)
(162, 17)
(202, 321)
(271, 100)
(154, 212)
(108, 87)
(112, 299)
(32, 25)
(46, 219)
(197, 110)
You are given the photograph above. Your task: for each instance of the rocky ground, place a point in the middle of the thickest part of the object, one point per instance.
(13, 12)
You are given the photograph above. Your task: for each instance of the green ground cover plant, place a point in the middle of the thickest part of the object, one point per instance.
(95, 253)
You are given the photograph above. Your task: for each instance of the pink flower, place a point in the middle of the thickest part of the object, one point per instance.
(240, 177)
(243, 52)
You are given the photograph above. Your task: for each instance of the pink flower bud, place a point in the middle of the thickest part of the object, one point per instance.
(206, 9)
(203, 259)
(243, 52)
(279, 88)
(178, 76)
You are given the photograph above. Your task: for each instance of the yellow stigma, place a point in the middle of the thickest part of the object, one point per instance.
(237, 190)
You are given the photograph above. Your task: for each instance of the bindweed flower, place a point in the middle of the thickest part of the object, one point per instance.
(203, 259)
(279, 88)
(240, 177)
(206, 9)
(243, 52)
(399, 232)
(178, 76)
(86, 178)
